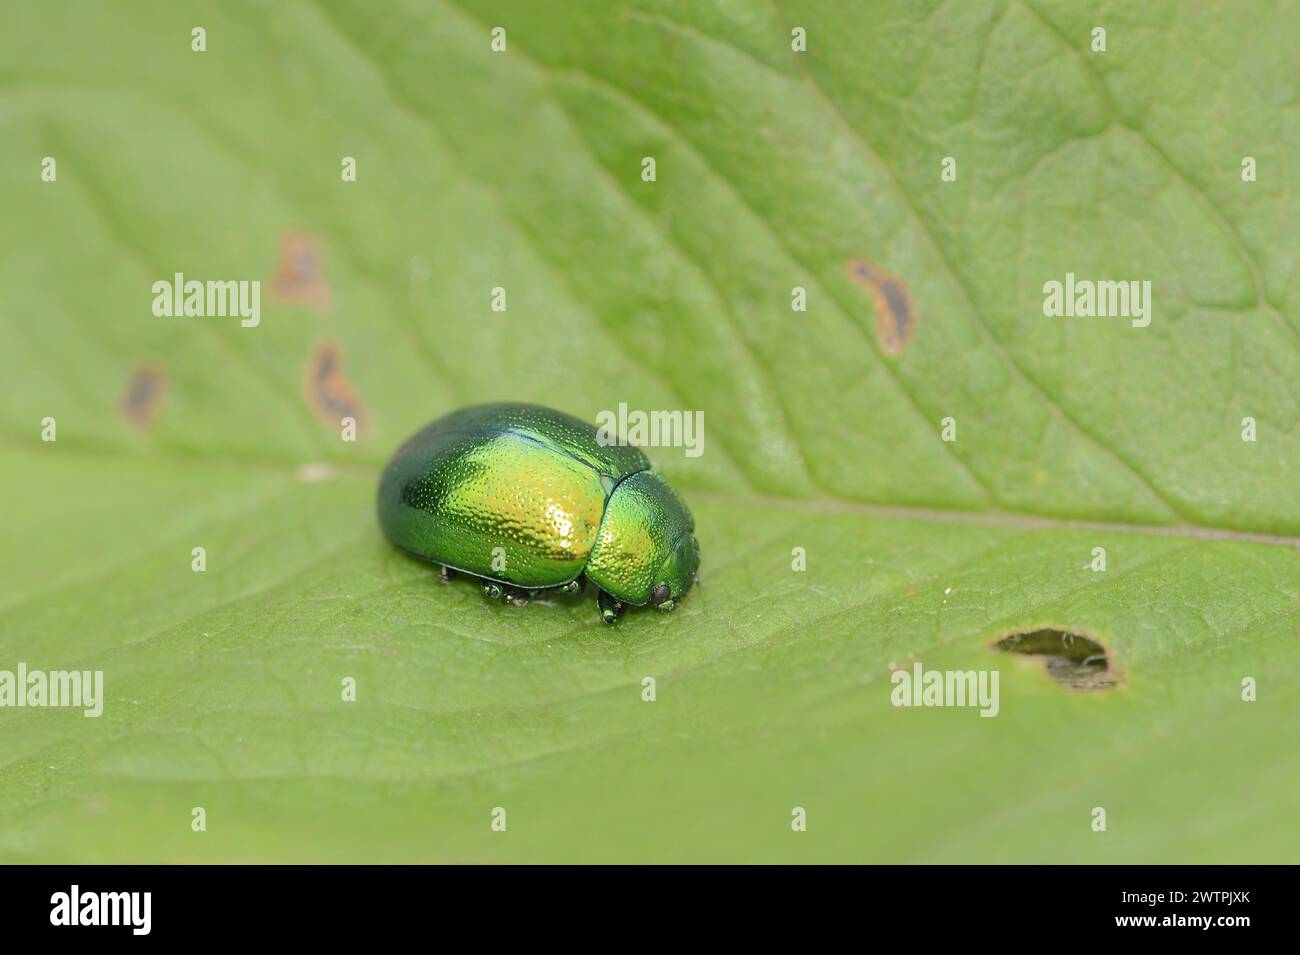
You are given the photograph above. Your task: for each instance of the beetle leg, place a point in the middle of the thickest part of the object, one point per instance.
(572, 587)
(446, 574)
(610, 609)
(493, 591)
(517, 596)
(666, 606)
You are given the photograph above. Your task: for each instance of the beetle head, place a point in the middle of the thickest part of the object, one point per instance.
(677, 575)
(646, 552)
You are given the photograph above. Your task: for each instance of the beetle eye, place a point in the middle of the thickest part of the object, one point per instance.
(659, 595)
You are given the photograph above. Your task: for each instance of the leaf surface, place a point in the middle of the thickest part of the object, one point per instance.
(774, 170)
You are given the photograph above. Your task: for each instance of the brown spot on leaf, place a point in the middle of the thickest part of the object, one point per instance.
(301, 278)
(327, 389)
(143, 398)
(895, 311)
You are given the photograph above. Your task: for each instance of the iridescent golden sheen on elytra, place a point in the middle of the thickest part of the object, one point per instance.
(527, 497)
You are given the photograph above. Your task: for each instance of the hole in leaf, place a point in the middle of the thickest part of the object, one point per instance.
(1072, 658)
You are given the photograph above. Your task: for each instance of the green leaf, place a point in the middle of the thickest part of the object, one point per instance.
(774, 170)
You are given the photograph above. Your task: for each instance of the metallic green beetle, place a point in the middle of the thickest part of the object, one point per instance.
(528, 499)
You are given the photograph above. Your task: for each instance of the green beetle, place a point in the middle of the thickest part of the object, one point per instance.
(529, 500)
